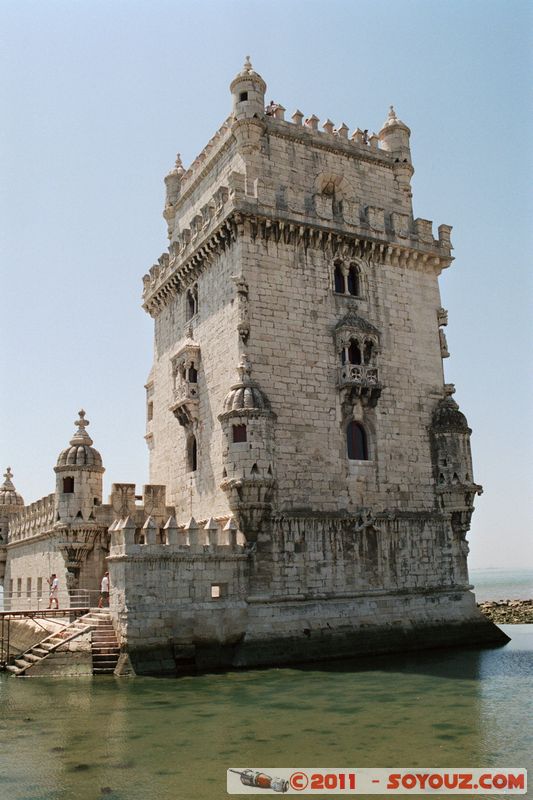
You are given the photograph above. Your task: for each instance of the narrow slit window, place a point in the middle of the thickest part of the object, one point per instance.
(357, 442)
(192, 454)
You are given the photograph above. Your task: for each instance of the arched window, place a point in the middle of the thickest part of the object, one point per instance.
(192, 454)
(68, 485)
(193, 374)
(338, 278)
(239, 433)
(354, 353)
(353, 281)
(356, 442)
(368, 351)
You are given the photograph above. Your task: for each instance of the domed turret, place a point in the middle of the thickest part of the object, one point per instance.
(173, 181)
(245, 395)
(394, 135)
(10, 500)
(80, 453)
(447, 417)
(452, 458)
(248, 89)
(248, 457)
(79, 473)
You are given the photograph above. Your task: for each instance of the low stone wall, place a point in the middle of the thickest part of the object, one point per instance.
(72, 659)
(508, 612)
(296, 632)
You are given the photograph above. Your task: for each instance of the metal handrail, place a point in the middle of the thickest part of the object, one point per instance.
(40, 600)
(7, 616)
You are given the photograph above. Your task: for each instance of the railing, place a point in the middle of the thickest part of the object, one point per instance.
(39, 601)
(358, 375)
(6, 617)
(185, 392)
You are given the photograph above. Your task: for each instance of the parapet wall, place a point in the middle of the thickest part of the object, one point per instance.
(35, 519)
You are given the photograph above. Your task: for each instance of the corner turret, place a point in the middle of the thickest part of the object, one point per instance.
(79, 473)
(248, 89)
(248, 458)
(11, 502)
(394, 138)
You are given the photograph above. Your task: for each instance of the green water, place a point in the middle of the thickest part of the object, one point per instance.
(125, 739)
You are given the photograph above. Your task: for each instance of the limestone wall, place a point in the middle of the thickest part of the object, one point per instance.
(214, 330)
(335, 556)
(28, 566)
(293, 313)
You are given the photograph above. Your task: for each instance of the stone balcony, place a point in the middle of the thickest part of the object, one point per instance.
(185, 404)
(362, 380)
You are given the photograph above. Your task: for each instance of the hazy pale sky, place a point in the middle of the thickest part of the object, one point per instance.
(97, 96)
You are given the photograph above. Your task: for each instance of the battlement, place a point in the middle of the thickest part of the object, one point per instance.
(212, 537)
(33, 520)
(251, 180)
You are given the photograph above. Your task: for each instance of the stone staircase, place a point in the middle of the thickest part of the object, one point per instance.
(104, 645)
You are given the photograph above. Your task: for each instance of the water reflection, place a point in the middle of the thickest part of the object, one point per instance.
(132, 739)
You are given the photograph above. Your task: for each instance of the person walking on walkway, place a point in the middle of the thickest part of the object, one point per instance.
(53, 583)
(104, 592)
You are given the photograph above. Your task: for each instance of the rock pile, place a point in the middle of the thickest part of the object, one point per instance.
(508, 612)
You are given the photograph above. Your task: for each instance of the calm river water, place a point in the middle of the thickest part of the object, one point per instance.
(172, 739)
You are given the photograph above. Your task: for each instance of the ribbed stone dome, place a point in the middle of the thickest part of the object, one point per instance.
(243, 396)
(80, 453)
(8, 494)
(447, 417)
(246, 394)
(79, 456)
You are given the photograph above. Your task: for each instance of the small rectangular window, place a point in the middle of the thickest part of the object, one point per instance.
(19, 587)
(218, 591)
(243, 96)
(150, 411)
(239, 433)
(28, 587)
(68, 485)
(39, 587)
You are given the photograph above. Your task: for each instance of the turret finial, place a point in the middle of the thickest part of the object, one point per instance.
(81, 436)
(247, 65)
(179, 164)
(392, 113)
(8, 475)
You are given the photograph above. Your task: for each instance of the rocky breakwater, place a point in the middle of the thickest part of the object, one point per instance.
(508, 612)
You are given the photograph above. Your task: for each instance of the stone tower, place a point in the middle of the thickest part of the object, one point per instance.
(79, 474)
(295, 259)
(77, 499)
